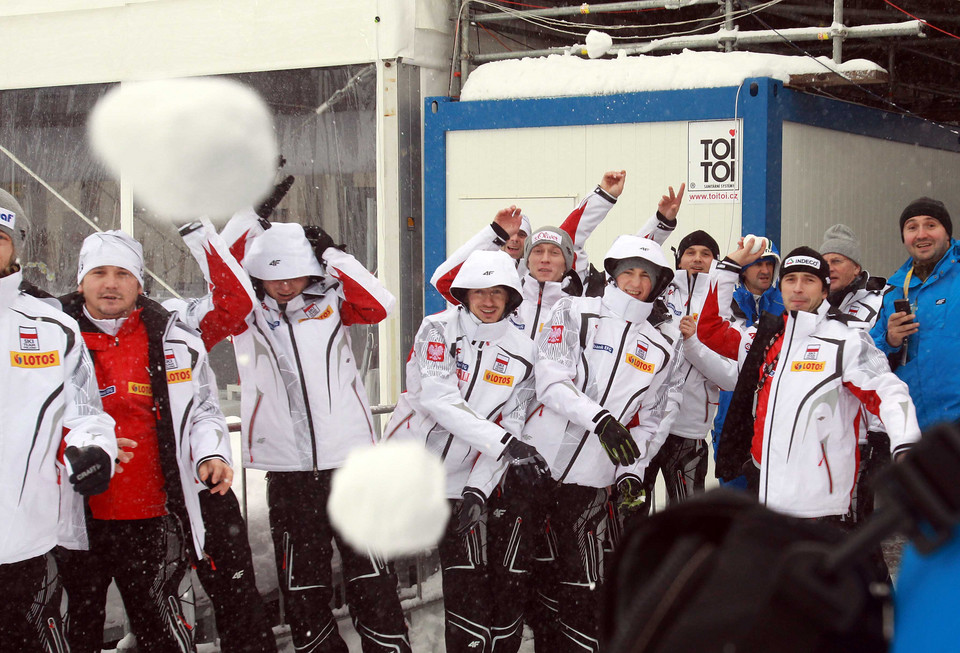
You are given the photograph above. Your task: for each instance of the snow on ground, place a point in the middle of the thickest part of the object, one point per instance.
(568, 75)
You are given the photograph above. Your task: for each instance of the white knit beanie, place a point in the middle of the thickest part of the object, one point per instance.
(111, 248)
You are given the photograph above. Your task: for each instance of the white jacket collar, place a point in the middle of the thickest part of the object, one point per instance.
(10, 288)
(474, 329)
(803, 323)
(552, 291)
(624, 306)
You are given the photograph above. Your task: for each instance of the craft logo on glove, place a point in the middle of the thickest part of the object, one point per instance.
(40, 359)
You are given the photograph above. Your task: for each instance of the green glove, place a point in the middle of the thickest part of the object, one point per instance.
(633, 496)
(616, 440)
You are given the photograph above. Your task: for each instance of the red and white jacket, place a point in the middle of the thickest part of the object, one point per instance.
(303, 404)
(813, 380)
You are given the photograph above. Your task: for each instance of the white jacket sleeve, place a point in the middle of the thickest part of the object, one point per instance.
(657, 229)
(209, 435)
(717, 369)
(440, 394)
(84, 419)
(582, 222)
(488, 471)
(242, 228)
(365, 300)
(867, 375)
(661, 413)
(485, 240)
(556, 368)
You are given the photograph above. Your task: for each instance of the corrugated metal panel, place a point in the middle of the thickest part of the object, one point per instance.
(831, 177)
(547, 170)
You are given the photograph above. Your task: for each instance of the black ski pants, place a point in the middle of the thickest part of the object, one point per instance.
(303, 543)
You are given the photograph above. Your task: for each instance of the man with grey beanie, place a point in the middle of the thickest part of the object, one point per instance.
(852, 290)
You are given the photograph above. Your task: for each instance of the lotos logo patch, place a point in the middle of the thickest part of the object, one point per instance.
(29, 341)
(807, 366)
(34, 361)
(556, 334)
(641, 364)
(436, 352)
(179, 376)
(497, 379)
(142, 389)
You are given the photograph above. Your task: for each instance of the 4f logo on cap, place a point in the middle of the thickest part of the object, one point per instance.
(8, 218)
(436, 352)
(487, 273)
(28, 339)
(274, 263)
(812, 352)
(500, 365)
(170, 359)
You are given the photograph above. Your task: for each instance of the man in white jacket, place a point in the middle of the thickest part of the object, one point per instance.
(304, 409)
(682, 460)
(469, 382)
(605, 375)
(803, 378)
(49, 388)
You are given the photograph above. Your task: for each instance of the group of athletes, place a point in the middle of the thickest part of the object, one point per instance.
(554, 393)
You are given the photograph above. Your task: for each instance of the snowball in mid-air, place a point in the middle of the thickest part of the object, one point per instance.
(390, 498)
(189, 147)
(598, 44)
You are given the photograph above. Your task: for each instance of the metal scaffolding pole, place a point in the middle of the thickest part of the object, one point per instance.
(735, 38)
(585, 9)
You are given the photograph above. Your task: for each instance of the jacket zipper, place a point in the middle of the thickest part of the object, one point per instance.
(772, 403)
(466, 397)
(586, 434)
(303, 389)
(534, 328)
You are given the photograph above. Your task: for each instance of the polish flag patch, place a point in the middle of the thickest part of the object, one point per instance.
(556, 334)
(435, 351)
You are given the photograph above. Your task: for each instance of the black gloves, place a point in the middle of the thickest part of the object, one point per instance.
(320, 240)
(633, 496)
(265, 210)
(616, 441)
(471, 507)
(91, 469)
(526, 461)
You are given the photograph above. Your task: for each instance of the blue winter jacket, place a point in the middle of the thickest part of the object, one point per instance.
(934, 351)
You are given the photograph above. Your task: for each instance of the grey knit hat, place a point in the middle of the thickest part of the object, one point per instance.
(13, 221)
(553, 236)
(840, 239)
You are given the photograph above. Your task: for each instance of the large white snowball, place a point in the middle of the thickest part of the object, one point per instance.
(390, 498)
(598, 43)
(190, 147)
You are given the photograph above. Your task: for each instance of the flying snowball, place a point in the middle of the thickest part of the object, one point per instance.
(390, 498)
(190, 147)
(598, 43)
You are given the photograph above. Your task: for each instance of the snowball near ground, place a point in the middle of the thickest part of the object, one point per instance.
(567, 75)
(390, 498)
(189, 147)
(598, 43)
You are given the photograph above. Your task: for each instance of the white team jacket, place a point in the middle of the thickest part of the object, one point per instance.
(49, 386)
(468, 389)
(863, 304)
(805, 434)
(303, 404)
(704, 372)
(600, 354)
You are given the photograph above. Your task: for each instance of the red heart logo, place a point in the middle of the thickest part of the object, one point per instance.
(733, 132)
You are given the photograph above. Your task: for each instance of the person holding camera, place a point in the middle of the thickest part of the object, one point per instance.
(916, 327)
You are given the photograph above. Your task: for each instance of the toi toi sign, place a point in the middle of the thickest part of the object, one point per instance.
(713, 161)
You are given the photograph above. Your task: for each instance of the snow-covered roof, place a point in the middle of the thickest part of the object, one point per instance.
(568, 75)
